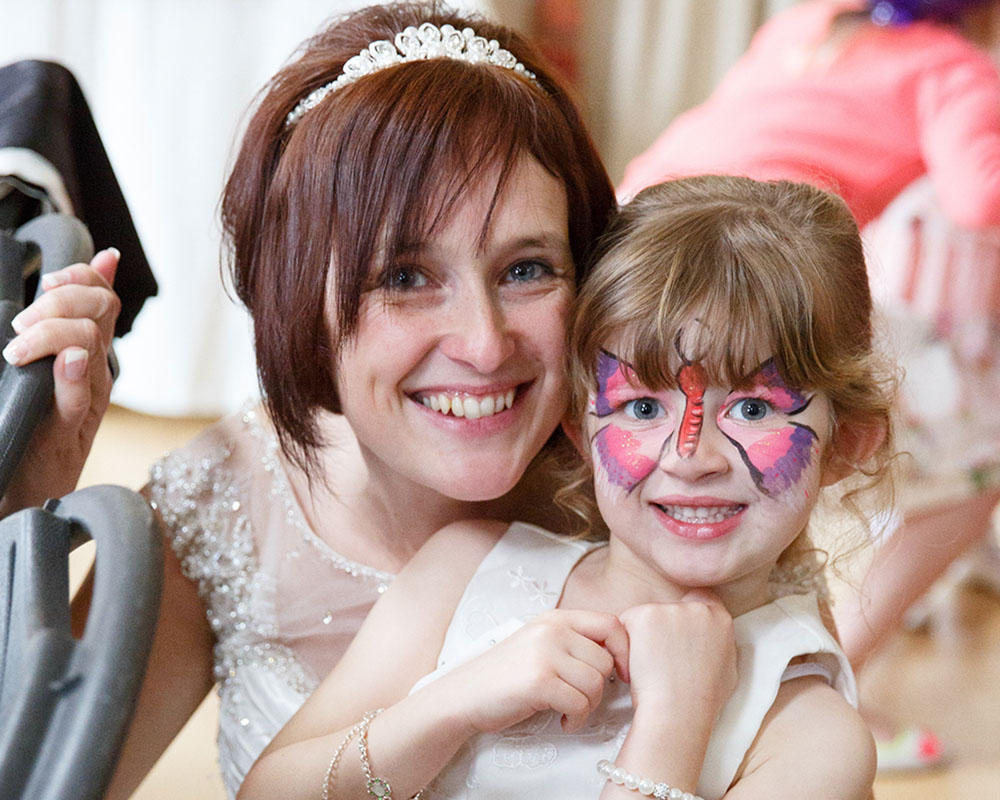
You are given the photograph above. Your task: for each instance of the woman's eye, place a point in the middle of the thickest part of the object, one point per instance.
(751, 409)
(524, 271)
(643, 408)
(403, 278)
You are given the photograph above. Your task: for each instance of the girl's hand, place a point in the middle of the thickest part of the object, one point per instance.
(74, 321)
(559, 661)
(682, 656)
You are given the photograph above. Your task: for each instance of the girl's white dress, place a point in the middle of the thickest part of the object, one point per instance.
(522, 576)
(282, 604)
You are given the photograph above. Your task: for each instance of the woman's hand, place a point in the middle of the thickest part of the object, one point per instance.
(74, 321)
(559, 661)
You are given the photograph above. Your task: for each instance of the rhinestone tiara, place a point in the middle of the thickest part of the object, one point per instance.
(414, 44)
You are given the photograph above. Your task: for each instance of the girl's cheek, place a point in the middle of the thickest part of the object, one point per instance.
(625, 458)
(777, 459)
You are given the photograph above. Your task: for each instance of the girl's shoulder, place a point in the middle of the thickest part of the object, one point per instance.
(814, 736)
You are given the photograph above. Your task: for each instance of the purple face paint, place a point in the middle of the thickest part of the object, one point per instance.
(612, 377)
(776, 457)
(626, 457)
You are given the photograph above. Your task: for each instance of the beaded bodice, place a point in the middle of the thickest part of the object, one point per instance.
(283, 606)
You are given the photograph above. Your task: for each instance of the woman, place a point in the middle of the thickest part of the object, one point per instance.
(408, 239)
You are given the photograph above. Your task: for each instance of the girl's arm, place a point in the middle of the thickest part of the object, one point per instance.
(178, 677)
(558, 661)
(812, 743)
(682, 660)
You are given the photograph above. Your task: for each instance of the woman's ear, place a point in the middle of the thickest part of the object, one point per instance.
(854, 444)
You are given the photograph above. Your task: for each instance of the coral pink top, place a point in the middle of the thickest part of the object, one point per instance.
(894, 104)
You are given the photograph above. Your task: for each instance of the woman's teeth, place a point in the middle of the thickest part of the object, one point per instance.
(469, 407)
(695, 514)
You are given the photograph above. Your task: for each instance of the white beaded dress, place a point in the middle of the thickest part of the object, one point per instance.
(282, 604)
(522, 576)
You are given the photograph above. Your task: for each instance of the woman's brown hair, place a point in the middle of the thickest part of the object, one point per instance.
(374, 167)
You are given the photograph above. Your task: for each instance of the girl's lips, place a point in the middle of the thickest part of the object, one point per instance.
(699, 518)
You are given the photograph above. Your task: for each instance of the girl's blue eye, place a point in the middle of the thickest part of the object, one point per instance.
(751, 409)
(401, 279)
(644, 408)
(528, 270)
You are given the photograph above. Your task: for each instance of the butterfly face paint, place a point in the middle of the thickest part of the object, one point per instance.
(691, 381)
(624, 457)
(776, 457)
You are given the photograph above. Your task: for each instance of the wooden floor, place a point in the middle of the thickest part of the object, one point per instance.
(946, 677)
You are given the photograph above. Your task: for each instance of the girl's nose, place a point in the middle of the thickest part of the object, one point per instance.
(697, 453)
(477, 332)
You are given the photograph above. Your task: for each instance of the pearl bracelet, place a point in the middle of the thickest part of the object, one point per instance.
(643, 786)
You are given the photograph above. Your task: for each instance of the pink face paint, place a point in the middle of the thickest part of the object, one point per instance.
(619, 454)
(626, 457)
(776, 458)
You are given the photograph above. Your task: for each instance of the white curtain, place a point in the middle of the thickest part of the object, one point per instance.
(645, 61)
(168, 82)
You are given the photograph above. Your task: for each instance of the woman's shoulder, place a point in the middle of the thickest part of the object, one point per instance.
(204, 476)
(232, 437)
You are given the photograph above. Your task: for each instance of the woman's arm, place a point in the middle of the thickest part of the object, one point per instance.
(178, 676)
(558, 661)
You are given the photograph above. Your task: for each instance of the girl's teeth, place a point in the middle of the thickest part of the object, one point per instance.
(701, 513)
(470, 407)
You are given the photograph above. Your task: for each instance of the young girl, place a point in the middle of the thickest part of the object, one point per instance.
(724, 374)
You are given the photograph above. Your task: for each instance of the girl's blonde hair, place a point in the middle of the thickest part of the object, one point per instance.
(768, 269)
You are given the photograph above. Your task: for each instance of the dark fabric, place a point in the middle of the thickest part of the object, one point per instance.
(42, 109)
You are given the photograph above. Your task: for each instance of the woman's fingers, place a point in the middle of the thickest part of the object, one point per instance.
(50, 336)
(73, 320)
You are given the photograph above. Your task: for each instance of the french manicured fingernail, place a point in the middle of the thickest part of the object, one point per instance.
(14, 350)
(52, 279)
(115, 252)
(18, 323)
(76, 363)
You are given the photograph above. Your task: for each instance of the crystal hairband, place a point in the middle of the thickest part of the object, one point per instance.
(414, 44)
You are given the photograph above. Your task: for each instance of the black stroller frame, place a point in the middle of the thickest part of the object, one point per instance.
(65, 702)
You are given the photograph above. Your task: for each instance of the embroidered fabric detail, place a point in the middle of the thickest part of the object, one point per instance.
(203, 508)
(281, 491)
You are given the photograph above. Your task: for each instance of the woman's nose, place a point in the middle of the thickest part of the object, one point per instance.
(478, 332)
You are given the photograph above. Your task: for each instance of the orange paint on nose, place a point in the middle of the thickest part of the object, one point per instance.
(691, 381)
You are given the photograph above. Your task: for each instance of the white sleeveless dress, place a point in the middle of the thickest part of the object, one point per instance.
(522, 576)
